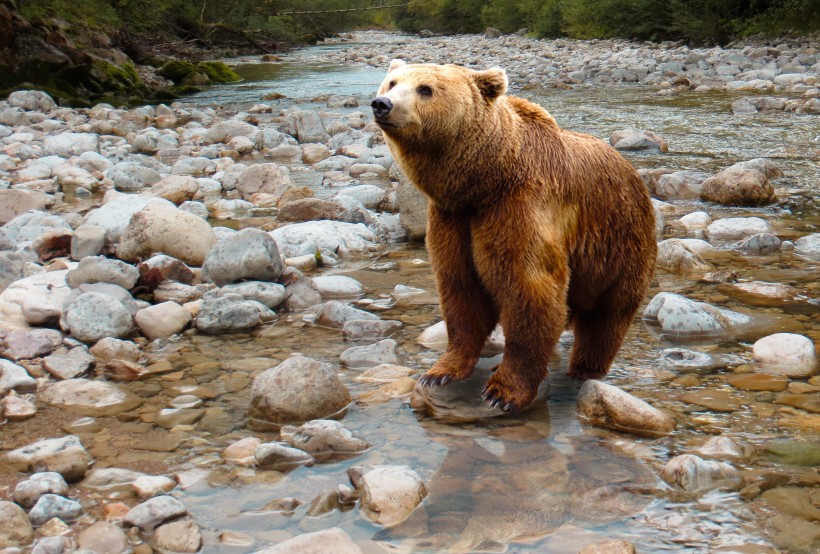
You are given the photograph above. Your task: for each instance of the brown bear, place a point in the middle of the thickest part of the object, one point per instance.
(528, 224)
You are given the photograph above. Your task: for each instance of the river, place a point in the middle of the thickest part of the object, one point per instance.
(542, 482)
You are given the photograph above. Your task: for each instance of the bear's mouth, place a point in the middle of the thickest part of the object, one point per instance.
(381, 122)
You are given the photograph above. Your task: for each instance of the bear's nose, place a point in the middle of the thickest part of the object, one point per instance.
(381, 106)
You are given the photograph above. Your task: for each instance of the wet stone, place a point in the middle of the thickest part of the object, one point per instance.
(363, 357)
(325, 440)
(693, 474)
(171, 417)
(354, 330)
(335, 314)
(807, 402)
(384, 373)
(680, 359)
(111, 481)
(64, 455)
(792, 452)
(389, 493)
(758, 382)
(297, 390)
(153, 512)
(612, 546)
(721, 448)
(51, 506)
(15, 527)
(280, 457)
(329, 540)
(116, 349)
(460, 401)
(797, 502)
(91, 398)
(786, 354)
(242, 452)
(29, 491)
(608, 406)
(715, 400)
(51, 545)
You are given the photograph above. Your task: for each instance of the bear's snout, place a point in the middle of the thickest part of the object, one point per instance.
(381, 107)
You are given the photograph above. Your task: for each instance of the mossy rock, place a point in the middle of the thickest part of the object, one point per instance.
(217, 72)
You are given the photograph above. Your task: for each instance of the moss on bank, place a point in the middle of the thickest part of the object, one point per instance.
(217, 72)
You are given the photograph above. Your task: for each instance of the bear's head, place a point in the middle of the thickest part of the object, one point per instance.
(428, 104)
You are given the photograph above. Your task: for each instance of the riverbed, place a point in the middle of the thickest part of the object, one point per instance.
(542, 481)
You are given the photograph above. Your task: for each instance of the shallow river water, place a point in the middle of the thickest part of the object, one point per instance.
(542, 482)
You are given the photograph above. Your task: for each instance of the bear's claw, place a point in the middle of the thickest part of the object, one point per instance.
(497, 402)
(434, 380)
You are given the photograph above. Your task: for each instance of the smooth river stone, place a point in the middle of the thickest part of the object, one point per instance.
(807, 402)
(758, 382)
(460, 401)
(154, 512)
(389, 493)
(786, 354)
(90, 398)
(694, 474)
(608, 406)
(297, 390)
(15, 527)
(321, 542)
(715, 400)
(64, 455)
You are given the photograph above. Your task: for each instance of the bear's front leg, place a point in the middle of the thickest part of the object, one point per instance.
(528, 278)
(467, 307)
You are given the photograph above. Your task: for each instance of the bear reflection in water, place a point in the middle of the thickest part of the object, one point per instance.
(509, 480)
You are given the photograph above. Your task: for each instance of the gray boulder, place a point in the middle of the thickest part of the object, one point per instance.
(249, 254)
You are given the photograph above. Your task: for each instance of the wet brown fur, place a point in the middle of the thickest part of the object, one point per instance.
(530, 225)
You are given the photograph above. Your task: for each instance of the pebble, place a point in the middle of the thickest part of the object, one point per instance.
(15, 408)
(280, 457)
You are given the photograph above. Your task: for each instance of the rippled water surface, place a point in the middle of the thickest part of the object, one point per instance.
(543, 482)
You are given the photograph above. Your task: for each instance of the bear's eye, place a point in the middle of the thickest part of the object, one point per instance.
(424, 90)
(391, 85)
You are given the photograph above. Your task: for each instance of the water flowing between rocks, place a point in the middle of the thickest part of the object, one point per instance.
(543, 481)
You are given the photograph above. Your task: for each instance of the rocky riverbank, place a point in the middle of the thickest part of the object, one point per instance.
(198, 300)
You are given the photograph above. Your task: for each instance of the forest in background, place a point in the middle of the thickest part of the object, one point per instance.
(273, 25)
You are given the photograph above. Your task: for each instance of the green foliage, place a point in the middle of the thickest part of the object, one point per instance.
(217, 72)
(695, 21)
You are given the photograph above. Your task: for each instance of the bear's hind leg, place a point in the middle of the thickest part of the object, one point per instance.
(598, 337)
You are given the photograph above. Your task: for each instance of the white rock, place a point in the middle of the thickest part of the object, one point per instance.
(333, 237)
(321, 542)
(99, 269)
(15, 377)
(147, 486)
(64, 455)
(93, 316)
(268, 178)
(338, 286)
(808, 246)
(389, 494)
(115, 215)
(680, 316)
(131, 176)
(786, 354)
(370, 196)
(696, 220)
(269, 294)
(89, 398)
(363, 357)
(675, 255)
(67, 145)
(737, 227)
(32, 101)
(693, 474)
(435, 338)
(48, 291)
(325, 440)
(163, 320)
(154, 512)
(608, 406)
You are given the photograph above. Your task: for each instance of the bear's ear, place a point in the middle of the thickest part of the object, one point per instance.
(492, 83)
(395, 64)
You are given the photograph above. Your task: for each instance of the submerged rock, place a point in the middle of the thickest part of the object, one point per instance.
(389, 493)
(90, 398)
(608, 406)
(321, 542)
(325, 440)
(690, 473)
